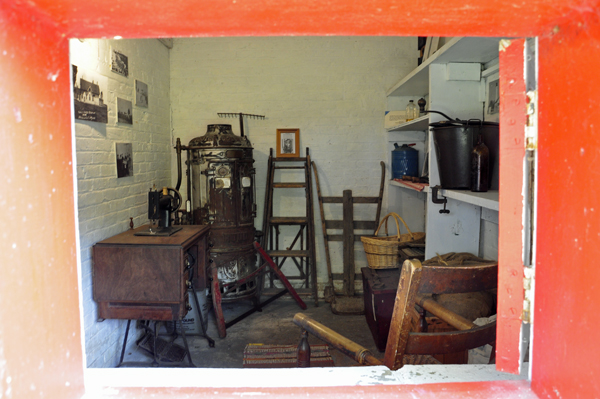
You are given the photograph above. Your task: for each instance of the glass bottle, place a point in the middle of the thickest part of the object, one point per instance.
(421, 103)
(412, 112)
(303, 354)
(480, 167)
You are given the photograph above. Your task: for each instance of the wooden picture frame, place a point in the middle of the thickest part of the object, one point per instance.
(288, 143)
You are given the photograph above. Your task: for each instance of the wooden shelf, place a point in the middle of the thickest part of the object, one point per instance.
(419, 124)
(459, 230)
(396, 184)
(488, 200)
(459, 49)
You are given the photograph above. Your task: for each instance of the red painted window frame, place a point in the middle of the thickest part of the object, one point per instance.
(35, 111)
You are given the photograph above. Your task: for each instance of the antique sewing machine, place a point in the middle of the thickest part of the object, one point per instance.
(161, 205)
(147, 273)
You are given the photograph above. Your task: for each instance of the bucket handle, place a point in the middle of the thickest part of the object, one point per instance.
(475, 120)
(396, 217)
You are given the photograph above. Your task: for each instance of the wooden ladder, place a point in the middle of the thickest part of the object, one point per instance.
(348, 236)
(302, 249)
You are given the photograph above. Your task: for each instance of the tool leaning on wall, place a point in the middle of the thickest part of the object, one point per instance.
(346, 303)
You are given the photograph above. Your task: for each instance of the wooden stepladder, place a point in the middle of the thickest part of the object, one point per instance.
(301, 251)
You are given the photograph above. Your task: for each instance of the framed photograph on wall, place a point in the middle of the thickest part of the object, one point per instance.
(88, 95)
(124, 112)
(141, 94)
(288, 143)
(124, 153)
(119, 63)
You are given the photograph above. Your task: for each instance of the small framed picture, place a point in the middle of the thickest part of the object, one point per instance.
(493, 96)
(288, 142)
(124, 153)
(119, 63)
(141, 94)
(124, 114)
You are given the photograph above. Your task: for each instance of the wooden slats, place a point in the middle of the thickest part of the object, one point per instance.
(289, 159)
(454, 319)
(340, 237)
(463, 278)
(358, 224)
(340, 276)
(401, 340)
(410, 278)
(355, 200)
(303, 245)
(348, 239)
(450, 342)
(348, 226)
(289, 254)
(289, 220)
(289, 185)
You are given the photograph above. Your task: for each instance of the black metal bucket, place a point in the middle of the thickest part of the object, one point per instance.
(453, 144)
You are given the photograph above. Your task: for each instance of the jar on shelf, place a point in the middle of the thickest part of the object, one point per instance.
(480, 169)
(422, 103)
(412, 112)
(405, 161)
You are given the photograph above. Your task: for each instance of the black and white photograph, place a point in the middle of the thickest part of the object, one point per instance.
(124, 159)
(141, 94)
(288, 142)
(89, 89)
(124, 113)
(493, 97)
(119, 63)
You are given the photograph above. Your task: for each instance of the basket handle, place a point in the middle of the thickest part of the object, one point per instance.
(396, 217)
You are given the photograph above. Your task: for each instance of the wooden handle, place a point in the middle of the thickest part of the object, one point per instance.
(455, 320)
(396, 217)
(350, 348)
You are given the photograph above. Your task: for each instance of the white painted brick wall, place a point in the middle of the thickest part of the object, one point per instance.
(331, 88)
(105, 202)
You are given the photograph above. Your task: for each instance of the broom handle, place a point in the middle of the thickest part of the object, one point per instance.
(329, 272)
(380, 199)
(349, 348)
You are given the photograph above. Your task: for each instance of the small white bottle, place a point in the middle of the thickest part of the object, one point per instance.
(412, 111)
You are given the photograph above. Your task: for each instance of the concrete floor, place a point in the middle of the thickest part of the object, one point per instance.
(271, 326)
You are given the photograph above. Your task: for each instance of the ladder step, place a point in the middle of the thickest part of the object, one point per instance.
(357, 224)
(303, 258)
(355, 200)
(289, 220)
(339, 237)
(289, 254)
(289, 159)
(289, 185)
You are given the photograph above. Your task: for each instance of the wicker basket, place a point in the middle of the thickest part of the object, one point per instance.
(383, 252)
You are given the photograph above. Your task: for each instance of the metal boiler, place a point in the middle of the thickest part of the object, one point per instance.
(221, 182)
